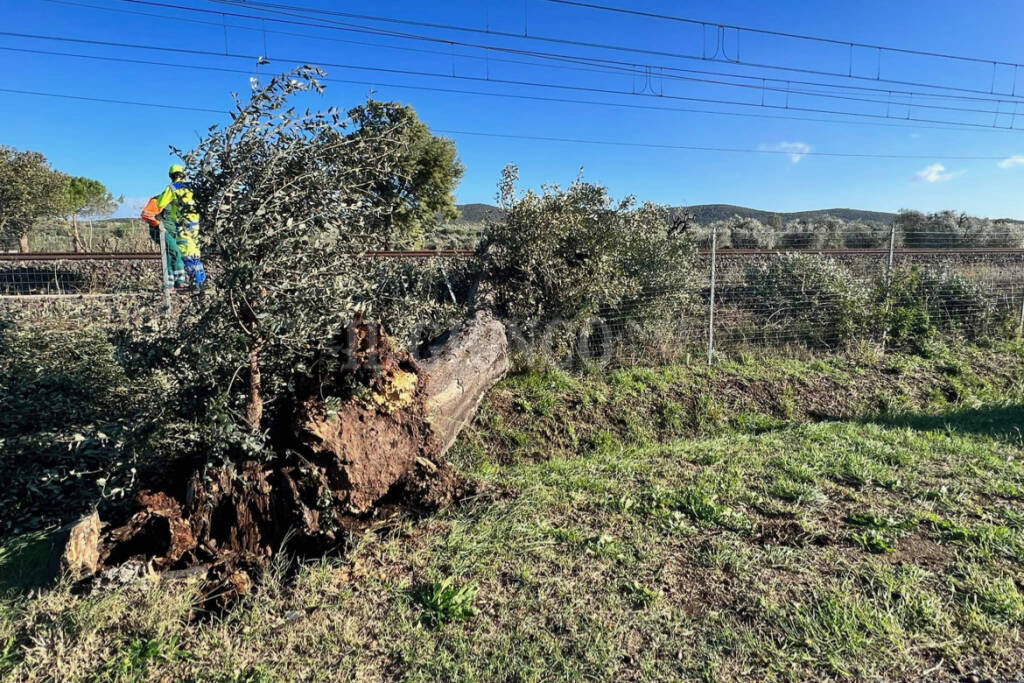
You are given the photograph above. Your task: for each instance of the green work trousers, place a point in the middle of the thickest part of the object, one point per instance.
(175, 264)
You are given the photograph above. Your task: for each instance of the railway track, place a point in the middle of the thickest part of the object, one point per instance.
(463, 253)
(153, 256)
(903, 251)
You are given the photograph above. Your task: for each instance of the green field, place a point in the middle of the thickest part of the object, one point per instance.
(847, 516)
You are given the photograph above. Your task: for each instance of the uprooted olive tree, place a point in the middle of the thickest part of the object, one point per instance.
(299, 415)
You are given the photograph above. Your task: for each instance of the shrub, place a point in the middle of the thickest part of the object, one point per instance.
(923, 300)
(563, 260)
(811, 298)
(1006, 233)
(941, 230)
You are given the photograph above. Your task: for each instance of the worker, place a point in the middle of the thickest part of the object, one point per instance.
(175, 264)
(179, 214)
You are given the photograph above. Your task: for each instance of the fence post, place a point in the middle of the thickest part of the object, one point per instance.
(892, 253)
(711, 297)
(888, 281)
(1020, 323)
(165, 277)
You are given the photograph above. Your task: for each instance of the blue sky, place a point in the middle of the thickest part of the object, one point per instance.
(126, 147)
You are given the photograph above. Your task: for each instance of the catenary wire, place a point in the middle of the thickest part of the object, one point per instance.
(516, 82)
(537, 98)
(781, 34)
(639, 69)
(695, 148)
(106, 100)
(294, 12)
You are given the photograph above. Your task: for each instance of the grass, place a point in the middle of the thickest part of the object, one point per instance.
(718, 540)
(444, 601)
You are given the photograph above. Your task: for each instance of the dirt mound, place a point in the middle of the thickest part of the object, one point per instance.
(361, 444)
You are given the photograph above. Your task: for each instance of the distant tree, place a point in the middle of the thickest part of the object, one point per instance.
(1007, 233)
(943, 230)
(800, 234)
(426, 172)
(866, 234)
(88, 197)
(750, 233)
(29, 191)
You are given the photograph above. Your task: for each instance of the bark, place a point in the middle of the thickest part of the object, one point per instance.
(77, 237)
(254, 402)
(81, 550)
(23, 243)
(460, 371)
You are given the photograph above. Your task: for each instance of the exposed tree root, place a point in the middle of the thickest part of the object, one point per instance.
(379, 442)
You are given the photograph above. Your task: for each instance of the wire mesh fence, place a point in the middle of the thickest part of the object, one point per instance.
(68, 274)
(84, 235)
(813, 295)
(808, 295)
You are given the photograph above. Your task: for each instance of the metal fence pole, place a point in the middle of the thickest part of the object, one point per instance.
(888, 281)
(711, 297)
(892, 253)
(1020, 323)
(165, 277)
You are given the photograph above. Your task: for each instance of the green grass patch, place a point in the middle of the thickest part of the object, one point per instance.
(761, 520)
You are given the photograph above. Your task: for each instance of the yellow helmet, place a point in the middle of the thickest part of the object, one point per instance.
(175, 169)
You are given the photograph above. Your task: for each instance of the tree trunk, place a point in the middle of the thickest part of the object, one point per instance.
(23, 243)
(459, 371)
(254, 402)
(77, 237)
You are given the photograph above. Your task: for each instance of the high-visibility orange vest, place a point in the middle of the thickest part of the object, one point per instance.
(150, 212)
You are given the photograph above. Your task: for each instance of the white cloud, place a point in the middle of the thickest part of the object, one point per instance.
(795, 150)
(935, 173)
(1010, 162)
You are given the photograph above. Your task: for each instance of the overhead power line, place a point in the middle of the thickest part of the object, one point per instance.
(107, 100)
(303, 20)
(516, 82)
(781, 34)
(730, 150)
(568, 62)
(541, 138)
(514, 96)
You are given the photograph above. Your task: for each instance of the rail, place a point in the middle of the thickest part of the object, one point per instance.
(155, 256)
(433, 253)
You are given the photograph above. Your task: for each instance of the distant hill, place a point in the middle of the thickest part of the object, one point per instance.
(476, 213)
(706, 213)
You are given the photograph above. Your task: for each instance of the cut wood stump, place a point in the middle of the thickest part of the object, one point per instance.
(459, 372)
(81, 554)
